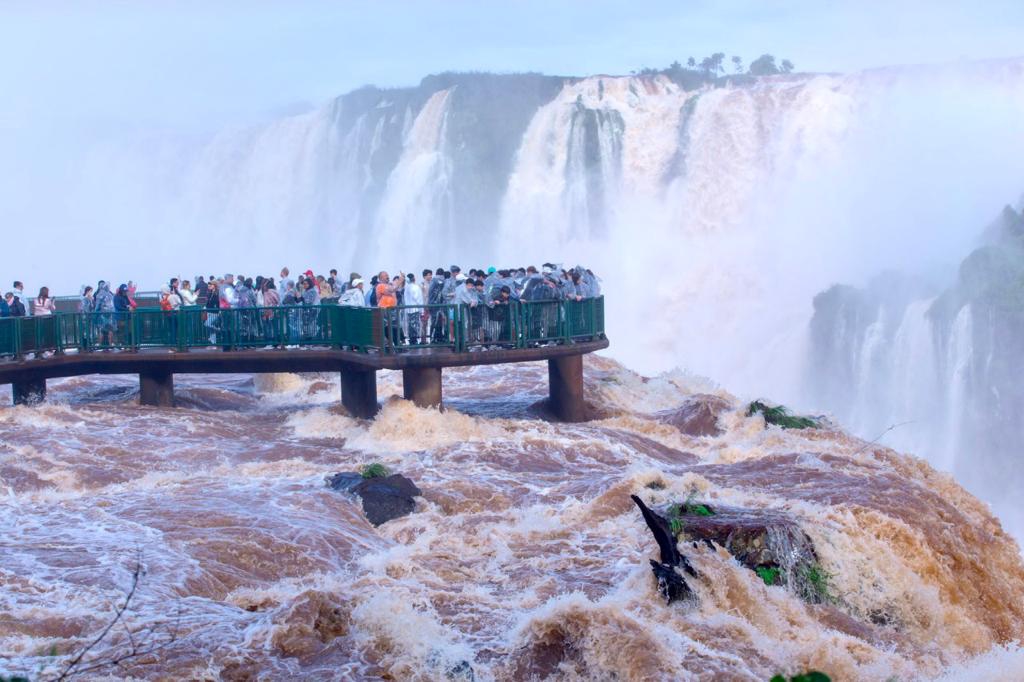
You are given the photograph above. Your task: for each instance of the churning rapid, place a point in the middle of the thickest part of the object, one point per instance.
(524, 558)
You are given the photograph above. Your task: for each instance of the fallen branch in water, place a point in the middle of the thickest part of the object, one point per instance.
(142, 642)
(874, 440)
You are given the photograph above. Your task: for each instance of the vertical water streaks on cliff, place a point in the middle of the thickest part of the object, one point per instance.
(416, 209)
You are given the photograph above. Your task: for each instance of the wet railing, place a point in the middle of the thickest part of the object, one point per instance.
(457, 328)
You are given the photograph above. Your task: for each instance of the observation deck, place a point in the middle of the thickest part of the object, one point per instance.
(356, 342)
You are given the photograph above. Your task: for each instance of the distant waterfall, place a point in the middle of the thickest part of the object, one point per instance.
(714, 216)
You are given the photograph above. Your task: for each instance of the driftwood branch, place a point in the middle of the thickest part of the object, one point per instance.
(139, 642)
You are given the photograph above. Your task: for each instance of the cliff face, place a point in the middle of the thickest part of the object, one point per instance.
(946, 360)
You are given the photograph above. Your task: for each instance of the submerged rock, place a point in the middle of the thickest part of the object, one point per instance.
(383, 499)
(768, 542)
(698, 416)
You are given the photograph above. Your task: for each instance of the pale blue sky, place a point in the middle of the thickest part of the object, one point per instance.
(204, 64)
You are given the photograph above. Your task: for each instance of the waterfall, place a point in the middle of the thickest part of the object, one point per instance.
(415, 210)
(714, 216)
(959, 356)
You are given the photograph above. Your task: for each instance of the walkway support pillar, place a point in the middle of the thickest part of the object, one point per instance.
(422, 385)
(565, 388)
(359, 392)
(156, 388)
(29, 391)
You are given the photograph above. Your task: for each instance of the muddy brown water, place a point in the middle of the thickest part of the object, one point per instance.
(525, 557)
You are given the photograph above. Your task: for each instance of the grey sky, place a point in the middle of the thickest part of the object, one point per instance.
(204, 64)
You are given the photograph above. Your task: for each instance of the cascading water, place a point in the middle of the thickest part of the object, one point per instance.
(417, 201)
(713, 216)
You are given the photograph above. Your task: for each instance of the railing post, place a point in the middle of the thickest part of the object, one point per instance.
(17, 338)
(460, 328)
(133, 331)
(180, 327)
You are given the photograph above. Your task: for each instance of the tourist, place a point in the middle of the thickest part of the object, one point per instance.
(103, 302)
(498, 313)
(324, 288)
(286, 281)
(85, 301)
(413, 312)
(211, 315)
(202, 289)
(228, 299)
(122, 304)
(270, 300)
(185, 292)
(354, 295)
(5, 304)
(43, 305)
(19, 293)
(14, 305)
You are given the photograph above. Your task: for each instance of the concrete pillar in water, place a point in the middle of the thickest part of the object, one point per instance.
(422, 385)
(29, 391)
(565, 388)
(359, 392)
(156, 388)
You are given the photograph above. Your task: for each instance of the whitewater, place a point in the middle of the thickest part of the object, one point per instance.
(525, 558)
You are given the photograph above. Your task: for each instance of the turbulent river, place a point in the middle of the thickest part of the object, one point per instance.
(525, 557)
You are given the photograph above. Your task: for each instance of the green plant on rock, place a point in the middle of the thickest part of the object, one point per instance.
(813, 583)
(375, 470)
(780, 416)
(675, 521)
(699, 510)
(769, 574)
(696, 508)
(811, 676)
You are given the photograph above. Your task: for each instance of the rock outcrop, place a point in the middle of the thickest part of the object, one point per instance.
(768, 542)
(383, 498)
(698, 416)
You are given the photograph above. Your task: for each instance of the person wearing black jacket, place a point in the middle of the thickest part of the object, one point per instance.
(121, 302)
(17, 307)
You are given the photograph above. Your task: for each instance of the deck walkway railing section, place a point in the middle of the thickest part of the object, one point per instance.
(457, 328)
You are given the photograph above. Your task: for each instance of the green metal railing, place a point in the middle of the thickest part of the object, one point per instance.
(458, 328)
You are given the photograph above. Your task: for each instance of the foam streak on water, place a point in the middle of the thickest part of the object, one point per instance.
(525, 557)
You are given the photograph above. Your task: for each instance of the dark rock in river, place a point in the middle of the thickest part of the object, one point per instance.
(698, 416)
(383, 499)
(768, 542)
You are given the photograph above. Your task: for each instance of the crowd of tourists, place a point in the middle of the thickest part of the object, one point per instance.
(485, 293)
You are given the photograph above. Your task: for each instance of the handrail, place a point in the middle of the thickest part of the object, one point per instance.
(401, 329)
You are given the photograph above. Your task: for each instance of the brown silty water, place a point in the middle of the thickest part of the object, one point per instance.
(525, 558)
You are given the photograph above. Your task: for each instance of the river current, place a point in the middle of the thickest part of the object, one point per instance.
(525, 557)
